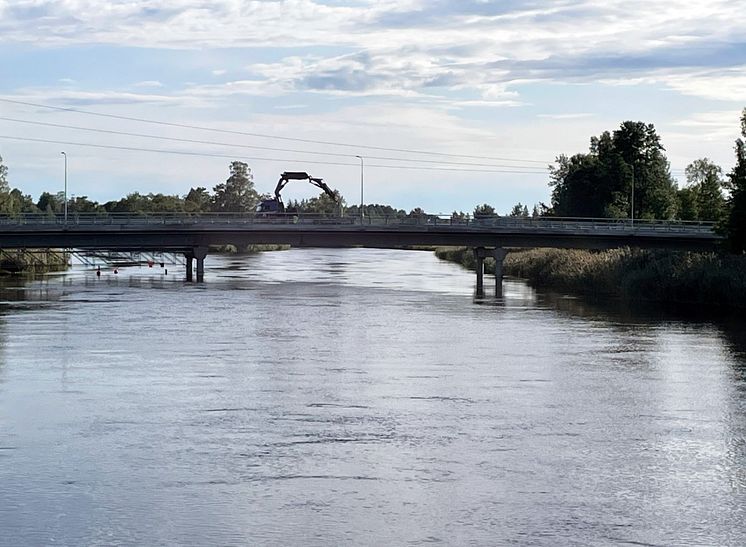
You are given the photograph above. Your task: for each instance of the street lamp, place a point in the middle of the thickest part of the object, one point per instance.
(361, 188)
(632, 217)
(65, 185)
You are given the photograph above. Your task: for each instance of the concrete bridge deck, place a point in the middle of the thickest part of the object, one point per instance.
(184, 231)
(192, 234)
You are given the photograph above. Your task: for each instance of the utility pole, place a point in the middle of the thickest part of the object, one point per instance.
(65, 185)
(632, 214)
(362, 214)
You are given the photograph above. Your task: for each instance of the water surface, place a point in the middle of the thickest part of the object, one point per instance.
(360, 397)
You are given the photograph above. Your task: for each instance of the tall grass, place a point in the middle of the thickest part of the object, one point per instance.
(633, 274)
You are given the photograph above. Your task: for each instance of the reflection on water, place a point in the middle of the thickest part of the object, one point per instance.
(360, 397)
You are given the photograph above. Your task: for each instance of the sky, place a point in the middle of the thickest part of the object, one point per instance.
(449, 104)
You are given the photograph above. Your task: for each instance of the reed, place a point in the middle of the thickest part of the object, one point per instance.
(634, 274)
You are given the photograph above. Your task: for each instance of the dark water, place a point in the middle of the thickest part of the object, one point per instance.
(337, 397)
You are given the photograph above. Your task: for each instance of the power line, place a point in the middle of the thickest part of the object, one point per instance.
(267, 136)
(212, 155)
(273, 149)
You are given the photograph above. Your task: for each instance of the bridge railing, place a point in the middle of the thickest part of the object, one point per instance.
(424, 220)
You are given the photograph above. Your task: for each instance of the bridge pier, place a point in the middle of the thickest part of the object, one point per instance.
(498, 253)
(479, 259)
(200, 253)
(189, 258)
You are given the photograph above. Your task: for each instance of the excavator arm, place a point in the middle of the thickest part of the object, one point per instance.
(287, 176)
(276, 204)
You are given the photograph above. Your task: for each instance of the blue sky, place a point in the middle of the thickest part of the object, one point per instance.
(521, 81)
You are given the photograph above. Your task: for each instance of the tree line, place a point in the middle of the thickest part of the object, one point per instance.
(625, 174)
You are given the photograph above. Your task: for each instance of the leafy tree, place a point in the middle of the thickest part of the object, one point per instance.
(736, 225)
(4, 188)
(237, 193)
(150, 203)
(3, 177)
(688, 203)
(81, 204)
(375, 210)
(484, 210)
(18, 202)
(519, 210)
(703, 198)
(197, 200)
(323, 204)
(600, 183)
(49, 203)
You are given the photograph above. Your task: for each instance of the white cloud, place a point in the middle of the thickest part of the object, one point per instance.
(415, 46)
(566, 116)
(148, 83)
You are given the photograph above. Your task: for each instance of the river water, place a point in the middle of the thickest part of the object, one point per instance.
(345, 397)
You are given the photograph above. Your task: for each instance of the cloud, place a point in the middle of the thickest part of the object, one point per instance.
(566, 116)
(413, 43)
(148, 83)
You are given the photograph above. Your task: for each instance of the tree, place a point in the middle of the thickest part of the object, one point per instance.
(519, 210)
(736, 225)
(49, 203)
(81, 204)
(484, 210)
(3, 177)
(688, 203)
(197, 200)
(601, 183)
(323, 204)
(4, 188)
(18, 202)
(703, 198)
(237, 193)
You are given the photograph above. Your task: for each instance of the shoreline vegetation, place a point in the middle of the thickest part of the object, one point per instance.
(246, 249)
(675, 277)
(32, 261)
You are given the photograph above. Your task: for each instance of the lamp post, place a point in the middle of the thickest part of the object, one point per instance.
(65, 185)
(632, 215)
(362, 214)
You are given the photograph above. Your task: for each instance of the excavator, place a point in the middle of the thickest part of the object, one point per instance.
(276, 206)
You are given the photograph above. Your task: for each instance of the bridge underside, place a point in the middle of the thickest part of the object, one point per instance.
(171, 239)
(193, 240)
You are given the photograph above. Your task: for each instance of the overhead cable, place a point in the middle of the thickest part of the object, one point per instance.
(273, 149)
(233, 157)
(267, 136)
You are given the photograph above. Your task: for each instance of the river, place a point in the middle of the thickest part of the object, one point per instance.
(360, 397)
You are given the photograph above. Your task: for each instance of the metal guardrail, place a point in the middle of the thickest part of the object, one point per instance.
(489, 222)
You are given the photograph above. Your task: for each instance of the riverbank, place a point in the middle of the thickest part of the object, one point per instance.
(250, 249)
(708, 279)
(32, 261)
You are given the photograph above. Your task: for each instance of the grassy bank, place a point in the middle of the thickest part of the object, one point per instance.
(633, 274)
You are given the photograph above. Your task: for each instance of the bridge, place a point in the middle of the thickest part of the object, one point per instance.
(194, 233)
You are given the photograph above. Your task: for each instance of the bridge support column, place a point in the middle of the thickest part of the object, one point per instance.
(200, 253)
(499, 254)
(479, 260)
(189, 262)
